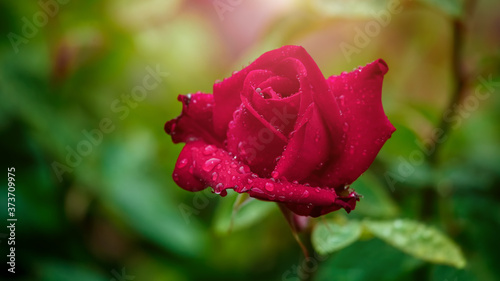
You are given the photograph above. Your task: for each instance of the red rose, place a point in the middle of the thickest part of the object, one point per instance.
(281, 132)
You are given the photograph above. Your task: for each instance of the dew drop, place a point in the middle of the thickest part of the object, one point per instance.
(242, 170)
(345, 127)
(210, 164)
(306, 194)
(191, 169)
(241, 148)
(275, 174)
(258, 90)
(223, 193)
(182, 163)
(351, 149)
(342, 101)
(209, 150)
(250, 181)
(257, 190)
(269, 186)
(233, 178)
(214, 176)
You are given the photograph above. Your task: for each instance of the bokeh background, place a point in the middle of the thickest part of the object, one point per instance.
(114, 213)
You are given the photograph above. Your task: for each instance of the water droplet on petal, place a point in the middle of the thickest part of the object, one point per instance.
(351, 149)
(214, 176)
(209, 150)
(250, 181)
(269, 186)
(242, 149)
(258, 90)
(210, 164)
(342, 101)
(191, 169)
(306, 194)
(275, 174)
(242, 170)
(233, 178)
(223, 193)
(258, 190)
(345, 127)
(182, 163)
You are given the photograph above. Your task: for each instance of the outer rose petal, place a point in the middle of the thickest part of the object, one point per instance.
(201, 165)
(195, 121)
(366, 126)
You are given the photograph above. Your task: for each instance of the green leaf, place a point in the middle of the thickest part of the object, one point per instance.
(242, 212)
(418, 240)
(329, 237)
(371, 260)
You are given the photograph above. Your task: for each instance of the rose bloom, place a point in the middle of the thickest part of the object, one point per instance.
(279, 131)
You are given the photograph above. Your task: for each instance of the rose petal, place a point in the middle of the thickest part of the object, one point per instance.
(347, 202)
(195, 121)
(254, 140)
(277, 61)
(366, 126)
(201, 165)
(308, 149)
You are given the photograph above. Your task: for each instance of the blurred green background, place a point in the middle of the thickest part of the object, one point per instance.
(112, 212)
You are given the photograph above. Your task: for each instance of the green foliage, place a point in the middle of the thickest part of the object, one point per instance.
(411, 237)
(379, 262)
(329, 237)
(119, 207)
(418, 240)
(236, 212)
